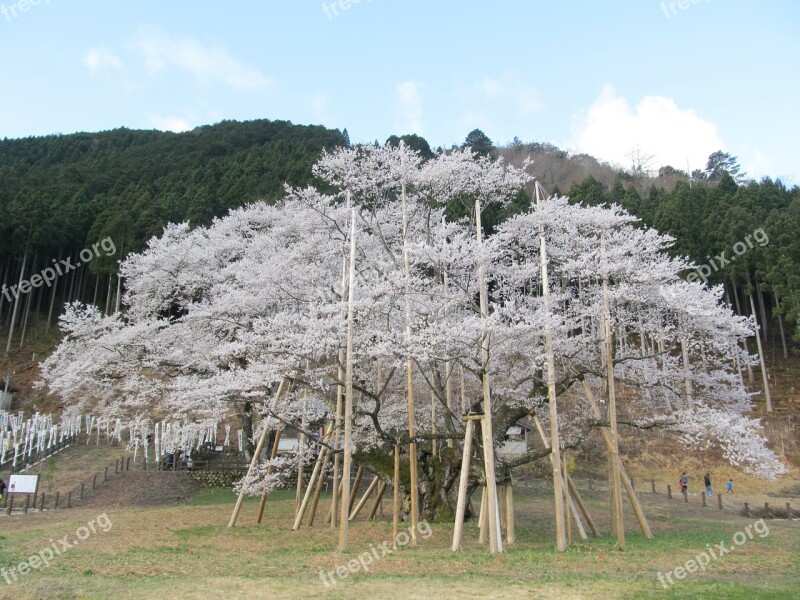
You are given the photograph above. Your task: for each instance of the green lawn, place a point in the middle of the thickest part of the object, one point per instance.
(188, 552)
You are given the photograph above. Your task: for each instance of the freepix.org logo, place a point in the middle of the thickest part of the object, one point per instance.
(60, 267)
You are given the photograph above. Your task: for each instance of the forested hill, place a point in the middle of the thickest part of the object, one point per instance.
(61, 192)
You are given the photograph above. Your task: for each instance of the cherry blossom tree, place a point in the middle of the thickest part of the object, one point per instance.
(215, 317)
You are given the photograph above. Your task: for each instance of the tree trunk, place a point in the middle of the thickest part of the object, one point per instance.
(16, 304)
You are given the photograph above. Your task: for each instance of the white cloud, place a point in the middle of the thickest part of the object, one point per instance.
(167, 123)
(206, 63)
(526, 98)
(100, 58)
(410, 107)
(611, 129)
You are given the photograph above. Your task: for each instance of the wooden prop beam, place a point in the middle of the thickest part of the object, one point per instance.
(354, 490)
(495, 539)
(348, 391)
(339, 409)
(273, 453)
(373, 484)
(637, 507)
(612, 412)
(318, 490)
(564, 483)
(412, 445)
(396, 496)
(376, 503)
(461, 504)
(310, 488)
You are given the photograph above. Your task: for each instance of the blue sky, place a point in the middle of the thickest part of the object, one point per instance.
(675, 79)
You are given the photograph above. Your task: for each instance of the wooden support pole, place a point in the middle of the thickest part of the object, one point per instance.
(637, 507)
(373, 484)
(309, 489)
(564, 484)
(354, 490)
(483, 518)
(412, 445)
(27, 502)
(461, 503)
(273, 453)
(719, 501)
(55, 507)
(565, 489)
(703, 498)
(493, 513)
(69, 499)
(337, 467)
(584, 510)
(348, 392)
(669, 491)
(616, 477)
(318, 490)
(396, 496)
(256, 455)
(510, 535)
(94, 481)
(298, 493)
(337, 493)
(81, 491)
(376, 503)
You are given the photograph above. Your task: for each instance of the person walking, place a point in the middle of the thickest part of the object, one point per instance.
(707, 481)
(684, 483)
(730, 487)
(2, 489)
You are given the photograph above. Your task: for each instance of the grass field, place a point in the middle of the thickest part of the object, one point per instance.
(187, 551)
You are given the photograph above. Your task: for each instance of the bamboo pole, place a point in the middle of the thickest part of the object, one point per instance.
(461, 504)
(412, 445)
(254, 460)
(348, 407)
